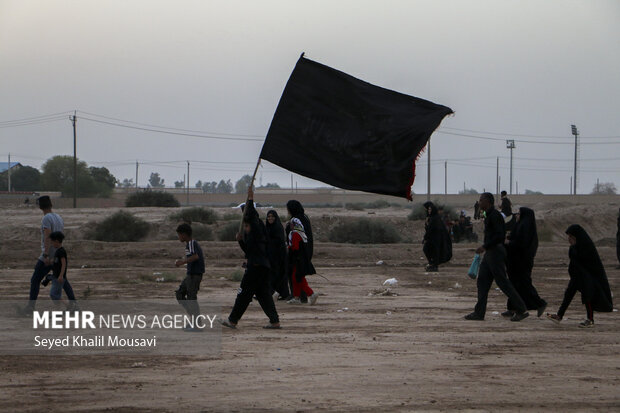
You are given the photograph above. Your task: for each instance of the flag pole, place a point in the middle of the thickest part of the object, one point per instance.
(247, 199)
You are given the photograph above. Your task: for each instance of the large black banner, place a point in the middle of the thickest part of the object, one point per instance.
(340, 130)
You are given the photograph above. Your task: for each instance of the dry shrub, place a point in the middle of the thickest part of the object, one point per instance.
(120, 227)
(202, 232)
(229, 231)
(364, 231)
(151, 199)
(195, 214)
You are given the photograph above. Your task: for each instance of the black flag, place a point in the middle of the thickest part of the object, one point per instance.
(340, 130)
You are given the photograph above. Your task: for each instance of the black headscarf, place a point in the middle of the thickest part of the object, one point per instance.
(433, 208)
(586, 267)
(296, 210)
(524, 236)
(275, 230)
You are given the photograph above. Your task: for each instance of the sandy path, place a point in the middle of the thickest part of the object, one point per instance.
(410, 352)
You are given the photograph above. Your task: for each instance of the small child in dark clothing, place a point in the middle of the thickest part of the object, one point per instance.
(187, 293)
(59, 266)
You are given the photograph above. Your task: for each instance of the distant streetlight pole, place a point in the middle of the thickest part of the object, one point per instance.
(75, 178)
(428, 169)
(187, 185)
(576, 133)
(510, 144)
(446, 177)
(497, 178)
(8, 172)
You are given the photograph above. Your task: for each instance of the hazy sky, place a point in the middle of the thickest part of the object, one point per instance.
(528, 68)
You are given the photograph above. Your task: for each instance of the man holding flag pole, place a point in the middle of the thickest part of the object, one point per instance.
(335, 128)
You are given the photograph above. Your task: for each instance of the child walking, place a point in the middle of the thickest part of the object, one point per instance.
(59, 267)
(187, 293)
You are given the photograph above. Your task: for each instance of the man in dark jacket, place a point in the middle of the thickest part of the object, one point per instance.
(493, 265)
(618, 240)
(506, 206)
(255, 281)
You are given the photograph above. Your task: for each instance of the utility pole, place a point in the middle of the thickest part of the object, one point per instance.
(576, 133)
(570, 190)
(187, 184)
(292, 187)
(497, 178)
(75, 178)
(510, 144)
(517, 190)
(445, 165)
(8, 171)
(428, 169)
(136, 175)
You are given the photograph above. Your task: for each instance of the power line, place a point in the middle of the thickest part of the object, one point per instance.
(171, 128)
(525, 135)
(66, 113)
(557, 168)
(28, 123)
(524, 141)
(204, 136)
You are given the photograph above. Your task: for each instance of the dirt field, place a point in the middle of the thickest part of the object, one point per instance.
(353, 351)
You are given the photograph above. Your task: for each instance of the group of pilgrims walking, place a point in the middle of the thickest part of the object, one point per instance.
(509, 259)
(279, 257)
(278, 260)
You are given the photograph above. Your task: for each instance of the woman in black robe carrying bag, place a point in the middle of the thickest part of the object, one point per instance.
(587, 276)
(521, 249)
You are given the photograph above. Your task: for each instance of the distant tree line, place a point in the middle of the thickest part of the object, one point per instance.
(57, 175)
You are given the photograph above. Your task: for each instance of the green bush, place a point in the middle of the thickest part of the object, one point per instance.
(236, 275)
(364, 231)
(360, 206)
(354, 206)
(232, 216)
(418, 212)
(151, 199)
(195, 214)
(120, 227)
(202, 232)
(229, 231)
(378, 204)
(545, 234)
(324, 205)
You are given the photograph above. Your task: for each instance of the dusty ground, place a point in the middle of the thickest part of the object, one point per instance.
(409, 352)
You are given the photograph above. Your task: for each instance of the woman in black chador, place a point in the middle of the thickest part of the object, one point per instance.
(276, 251)
(521, 249)
(587, 275)
(437, 242)
(296, 210)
